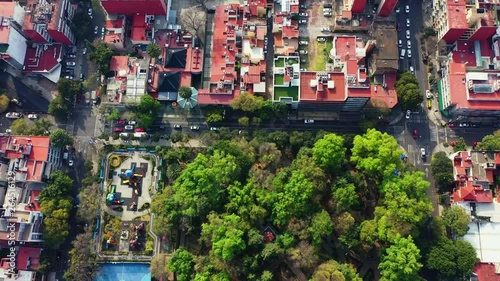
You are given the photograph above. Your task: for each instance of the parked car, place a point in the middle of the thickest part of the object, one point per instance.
(415, 134)
(129, 127)
(302, 21)
(400, 43)
(84, 51)
(422, 152)
(308, 121)
(412, 70)
(408, 114)
(303, 69)
(89, 12)
(325, 29)
(213, 129)
(13, 115)
(103, 30)
(407, 22)
(71, 56)
(69, 77)
(303, 52)
(409, 53)
(327, 14)
(177, 127)
(96, 30)
(304, 43)
(71, 63)
(32, 116)
(8, 131)
(407, 34)
(428, 94)
(132, 122)
(118, 130)
(71, 162)
(321, 39)
(407, 9)
(139, 130)
(303, 15)
(408, 44)
(120, 122)
(194, 128)
(303, 60)
(397, 10)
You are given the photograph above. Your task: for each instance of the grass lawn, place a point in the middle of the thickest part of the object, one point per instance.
(279, 63)
(285, 92)
(279, 79)
(318, 63)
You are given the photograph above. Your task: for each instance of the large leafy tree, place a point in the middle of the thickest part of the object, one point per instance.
(181, 264)
(20, 127)
(292, 196)
(332, 271)
(4, 101)
(409, 95)
(321, 226)
(452, 259)
(329, 152)
(225, 233)
(60, 138)
(490, 142)
(457, 220)
(400, 261)
(248, 201)
(83, 265)
(442, 170)
(376, 153)
(147, 110)
(101, 55)
(247, 102)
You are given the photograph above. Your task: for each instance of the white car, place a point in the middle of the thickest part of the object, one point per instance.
(71, 63)
(327, 14)
(96, 30)
(213, 129)
(422, 152)
(13, 115)
(303, 15)
(194, 128)
(321, 39)
(400, 43)
(407, 34)
(132, 122)
(408, 114)
(397, 11)
(89, 12)
(8, 131)
(412, 70)
(408, 44)
(302, 21)
(308, 121)
(129, 127)
(103, 30)
(428, 94)
(84, 51)
(407, 22)
(325, 29)
(409, 53)
(303, 52)
(303, 69)
(71, 162)
(32, 116)
(407, 9)
(304, 43)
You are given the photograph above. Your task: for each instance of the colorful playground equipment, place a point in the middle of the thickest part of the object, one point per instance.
(113, 198)
(132, 179)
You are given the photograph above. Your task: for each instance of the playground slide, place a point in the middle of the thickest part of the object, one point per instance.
(138, 175)
(126, 181)
(113, 188)
(133, 167)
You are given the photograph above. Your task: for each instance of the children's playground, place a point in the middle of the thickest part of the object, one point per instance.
(128, 186)
(127, 180)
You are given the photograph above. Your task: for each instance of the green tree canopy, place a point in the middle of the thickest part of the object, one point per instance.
(80, 25)
(457, 220)
(185, 92)
(101, 55)
(400, 261)
(153, 50)
(225, 233)
(409, 95)
(4, 102)
(452, 259)
(333, 271)
(442, 170)
(147, 110)
(182, 264)
(247, 102)
(329, 152)
(321, 226)
(376, 153)
(60, 138)
(20, 127)
(490, 142)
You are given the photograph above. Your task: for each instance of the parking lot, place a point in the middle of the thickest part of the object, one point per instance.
(319, 22)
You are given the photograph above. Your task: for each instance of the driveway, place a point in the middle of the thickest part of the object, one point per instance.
(316, 21)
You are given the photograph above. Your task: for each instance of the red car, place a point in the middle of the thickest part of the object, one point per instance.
(451, 125)
(139, 130)
(120, 122)
(415, 134)
(118, 130)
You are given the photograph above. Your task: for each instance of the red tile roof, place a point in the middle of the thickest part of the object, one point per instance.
(139, 27)
(44, 58)
(118, 23)
(132, 7)
(25, 254)
(34, 204)
(7, 11)
(30, 19)
(14, 146)
(486, 272)
(321, 92)
(294, 9)
(119, 64)
(290, 32)
(471, 193)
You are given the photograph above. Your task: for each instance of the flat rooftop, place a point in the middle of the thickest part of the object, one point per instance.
(43, 58)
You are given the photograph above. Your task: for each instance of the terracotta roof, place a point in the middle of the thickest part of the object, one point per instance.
(119, 64)
(486, 272)
(290, 32)
(457, 14)
(118, 23)
(44, 58)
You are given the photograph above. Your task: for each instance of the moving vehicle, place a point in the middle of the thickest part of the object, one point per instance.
(71, 63)
(129, 127)
(407, 34)
(120, 122)
(71, 162)
(407, 9)
(407, 22)
(409, 53)
(422, 152)
(428, 94)
(403, 53)
(408, 114)
(140, 135)
(415, 134)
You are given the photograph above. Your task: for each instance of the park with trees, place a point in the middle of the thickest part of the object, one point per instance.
(260, 206)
